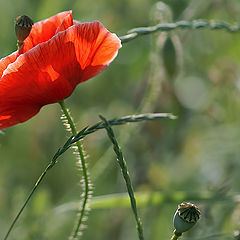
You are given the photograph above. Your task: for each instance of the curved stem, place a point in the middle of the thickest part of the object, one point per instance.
(28, 198)
(86, 185)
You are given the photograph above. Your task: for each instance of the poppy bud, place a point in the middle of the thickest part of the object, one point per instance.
(23, 26)
(185, 217)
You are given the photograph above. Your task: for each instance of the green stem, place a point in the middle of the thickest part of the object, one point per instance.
(28, 198)
(176, 235)
(86, 185)
(72, 140)
(195, 24)
(126, 176)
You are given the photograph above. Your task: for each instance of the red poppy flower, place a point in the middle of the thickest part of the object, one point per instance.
(58, 54)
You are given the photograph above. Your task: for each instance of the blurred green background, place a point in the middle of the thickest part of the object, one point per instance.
(193, 74)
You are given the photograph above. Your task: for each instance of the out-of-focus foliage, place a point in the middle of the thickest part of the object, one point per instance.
(192, 73)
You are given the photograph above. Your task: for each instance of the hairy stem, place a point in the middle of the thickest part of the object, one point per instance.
(86, 180)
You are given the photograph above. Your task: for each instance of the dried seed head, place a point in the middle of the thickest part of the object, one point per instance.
(186, 217)
(23, 26)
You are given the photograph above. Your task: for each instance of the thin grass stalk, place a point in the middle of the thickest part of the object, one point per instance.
(195, 24)
(27, 199)
(123, 165)
(113, 122)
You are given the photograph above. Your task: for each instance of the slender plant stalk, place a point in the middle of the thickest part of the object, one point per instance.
(80, 135)
(86, 180)
(126, 176)
(114, 122)
(195, 24)
(28, 198)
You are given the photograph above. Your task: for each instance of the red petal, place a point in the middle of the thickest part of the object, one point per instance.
(95, 48)
(7, 113)
(50, 71)
(75, 22)
(4, 62)
(66, 23)
(44, 30)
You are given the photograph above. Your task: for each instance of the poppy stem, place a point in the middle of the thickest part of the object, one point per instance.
(86, 180)
(176, 235)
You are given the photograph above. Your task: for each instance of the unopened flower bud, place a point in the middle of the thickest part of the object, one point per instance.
(23, 26)
(186, 217)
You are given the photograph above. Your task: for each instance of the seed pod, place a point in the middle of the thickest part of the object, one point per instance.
(23, 26)
(186, 217)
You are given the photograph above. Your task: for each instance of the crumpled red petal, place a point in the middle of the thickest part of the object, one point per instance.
(49, 72)
(44, 30)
